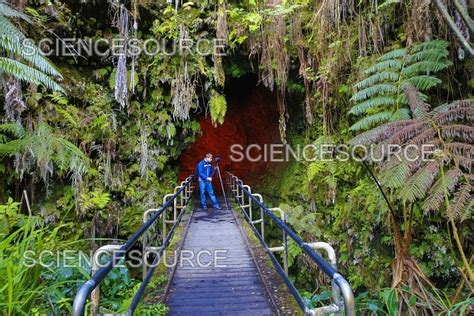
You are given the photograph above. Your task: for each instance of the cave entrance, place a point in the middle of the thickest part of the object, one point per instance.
(251, 119)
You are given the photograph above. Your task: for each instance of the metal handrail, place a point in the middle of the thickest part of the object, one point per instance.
(87, 288)
(237, 187)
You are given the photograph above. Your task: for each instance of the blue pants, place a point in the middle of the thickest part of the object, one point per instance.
(206, 186)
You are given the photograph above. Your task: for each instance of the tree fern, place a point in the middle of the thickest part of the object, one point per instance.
(379, 97)
(449, 130)
(27, 64)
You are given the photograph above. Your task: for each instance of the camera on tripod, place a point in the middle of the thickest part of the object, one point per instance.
(217, 159)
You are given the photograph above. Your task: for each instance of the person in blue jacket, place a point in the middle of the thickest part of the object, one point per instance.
(205, 171)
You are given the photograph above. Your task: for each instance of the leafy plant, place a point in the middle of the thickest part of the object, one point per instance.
(20, 278)
(42, 148)
(379, 97)
(34, 68)
(218, 108)
(442, 179)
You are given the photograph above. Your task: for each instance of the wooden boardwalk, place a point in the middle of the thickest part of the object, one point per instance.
(227, 281)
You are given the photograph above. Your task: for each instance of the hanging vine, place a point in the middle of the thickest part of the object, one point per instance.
(183, 86)
(222, 32)
(274, 60)
(121, 21)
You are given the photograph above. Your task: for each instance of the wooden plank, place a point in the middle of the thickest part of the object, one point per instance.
(233, 287)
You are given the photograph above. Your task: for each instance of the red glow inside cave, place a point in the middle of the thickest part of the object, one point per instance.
(251, 118)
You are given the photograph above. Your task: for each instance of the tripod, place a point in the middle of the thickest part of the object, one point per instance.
(220, 180)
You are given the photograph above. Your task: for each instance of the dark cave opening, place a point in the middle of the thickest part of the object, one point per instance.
(251, 120)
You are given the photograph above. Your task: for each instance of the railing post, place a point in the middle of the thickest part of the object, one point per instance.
(145, 240)
(95, 295)
(337, 281)
(163, 216)
(332, 258)
(262, 219)
(284, 242)
(249, 205)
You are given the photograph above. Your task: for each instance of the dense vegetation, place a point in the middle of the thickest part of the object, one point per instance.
(88, 142)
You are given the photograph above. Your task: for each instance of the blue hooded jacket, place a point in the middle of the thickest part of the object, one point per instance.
(204, 170)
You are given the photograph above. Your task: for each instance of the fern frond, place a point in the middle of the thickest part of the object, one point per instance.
(377, 77)
(394, 54)
(455, 115)
(461, 149)
(395, 173)
(423, 138)
(34, 58)
(379, 133)
(8, 11)
(7, 28)
(11, 148)
(429, 54)
(423, 82)
(429, 45)
(27, 74)
(436, 194)
(407, 133)
(14, 129)
(458, 131)
(467, 164)
(418, 108)
(384, 65)
(425, 66)
(400, 114)
(381, 88)
(454, 105)
(218, 108)
(419, 183)
(370, 104)
(461, 204)
(370, 121)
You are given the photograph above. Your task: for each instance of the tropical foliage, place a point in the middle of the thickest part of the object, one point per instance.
(25, 62)
(380, 96)
(372, 73)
